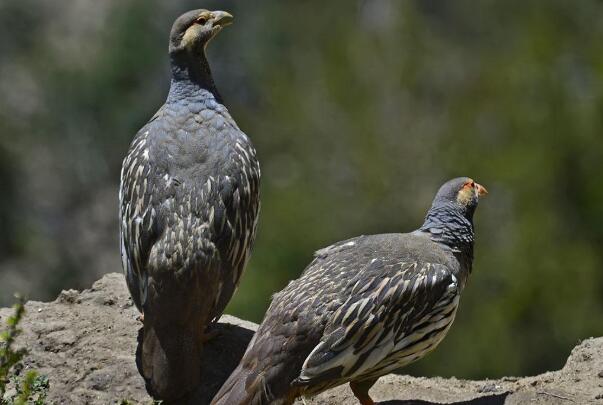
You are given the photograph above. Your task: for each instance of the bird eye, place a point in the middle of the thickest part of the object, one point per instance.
(201, 20)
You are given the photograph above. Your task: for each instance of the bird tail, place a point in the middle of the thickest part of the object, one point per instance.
(246, 387)
(170, 360)
(233, 391)
(250, 387)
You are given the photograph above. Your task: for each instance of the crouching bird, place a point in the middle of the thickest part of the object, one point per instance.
(189, 203)
(362, 309)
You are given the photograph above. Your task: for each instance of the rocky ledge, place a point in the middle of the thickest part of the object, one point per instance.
(85, 342)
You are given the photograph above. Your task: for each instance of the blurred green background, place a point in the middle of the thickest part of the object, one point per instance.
(359, 110)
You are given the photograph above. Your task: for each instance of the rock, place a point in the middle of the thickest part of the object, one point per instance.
(489, 388)
(85, 342)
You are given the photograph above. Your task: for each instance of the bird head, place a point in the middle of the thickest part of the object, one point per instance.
(462, 193)
(193, 30)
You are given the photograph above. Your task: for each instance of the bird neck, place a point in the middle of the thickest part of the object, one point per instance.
(191, 76)
(445, 225)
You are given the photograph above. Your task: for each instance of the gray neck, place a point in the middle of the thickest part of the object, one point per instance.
(191, 76)
(445, 224)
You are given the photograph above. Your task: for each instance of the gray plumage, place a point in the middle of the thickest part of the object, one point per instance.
(189, 204)
(363, 308)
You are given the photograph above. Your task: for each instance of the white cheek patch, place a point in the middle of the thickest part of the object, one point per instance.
(465, 195)
(189, 37)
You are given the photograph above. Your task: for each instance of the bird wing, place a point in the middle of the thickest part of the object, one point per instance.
(393, 307)
(137, 215)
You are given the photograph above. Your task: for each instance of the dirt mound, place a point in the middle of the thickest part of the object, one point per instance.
(85, 342)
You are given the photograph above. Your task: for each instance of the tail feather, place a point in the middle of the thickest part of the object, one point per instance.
(264, 375)
(250, 387)
(170, 360)
(246, 387)
(233, 390)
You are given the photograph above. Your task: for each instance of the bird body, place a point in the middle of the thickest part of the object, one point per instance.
(189, 203)
(363, 308)
(365, 330)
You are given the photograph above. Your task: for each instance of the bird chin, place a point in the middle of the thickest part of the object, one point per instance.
(214, 31)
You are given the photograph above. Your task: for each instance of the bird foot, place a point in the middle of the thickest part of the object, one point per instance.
(360, 391)
(140, 317)
(209, 335)
(366, 400)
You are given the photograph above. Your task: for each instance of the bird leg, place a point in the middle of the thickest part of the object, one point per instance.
(209, 334)
(361, 389)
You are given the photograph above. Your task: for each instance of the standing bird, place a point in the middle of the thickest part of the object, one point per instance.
(189, 204)
(362, 309)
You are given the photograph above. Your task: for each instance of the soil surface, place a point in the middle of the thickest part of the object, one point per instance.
(85, 342)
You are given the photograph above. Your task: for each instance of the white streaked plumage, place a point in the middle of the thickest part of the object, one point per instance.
(363, 308)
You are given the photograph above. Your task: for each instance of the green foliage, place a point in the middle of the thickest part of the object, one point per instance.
(31, 388)
(9, 357)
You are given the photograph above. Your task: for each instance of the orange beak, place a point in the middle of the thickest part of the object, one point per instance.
(481, 190)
